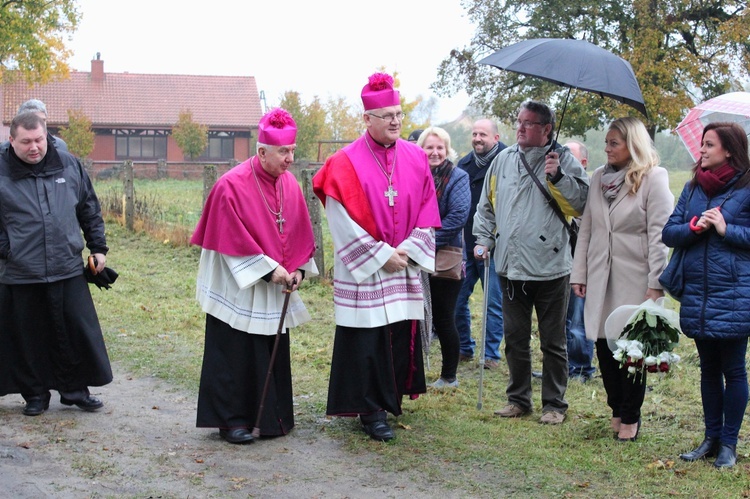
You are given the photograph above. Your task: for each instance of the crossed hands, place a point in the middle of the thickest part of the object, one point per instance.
(398, 261)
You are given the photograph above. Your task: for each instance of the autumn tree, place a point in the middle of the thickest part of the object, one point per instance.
(32, 34)
(78, 134)
(311, 124)
(682, 52)
(191, 137)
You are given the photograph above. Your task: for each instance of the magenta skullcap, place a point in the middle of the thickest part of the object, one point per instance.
(379, 92)
(277, 128)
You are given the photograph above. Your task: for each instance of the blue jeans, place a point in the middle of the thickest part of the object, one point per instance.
(724, 390)
(580, 350)
(494, 332)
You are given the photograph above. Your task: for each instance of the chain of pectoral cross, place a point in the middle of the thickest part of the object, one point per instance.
(391, 192)
(278, 214)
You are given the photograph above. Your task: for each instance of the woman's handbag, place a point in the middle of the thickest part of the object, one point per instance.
(673, 277)
(449, 263)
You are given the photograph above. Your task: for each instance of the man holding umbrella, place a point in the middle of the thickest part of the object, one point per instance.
(257, 244)
(531, 253)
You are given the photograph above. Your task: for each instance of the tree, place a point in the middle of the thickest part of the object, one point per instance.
(682, 52)
(311, 124)
(191, 137)
(32, 38)
(78, 134)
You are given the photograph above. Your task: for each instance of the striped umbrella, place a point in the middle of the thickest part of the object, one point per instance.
(733, 107)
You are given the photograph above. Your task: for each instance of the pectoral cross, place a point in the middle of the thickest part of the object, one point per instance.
(280, 222)
(390, 194)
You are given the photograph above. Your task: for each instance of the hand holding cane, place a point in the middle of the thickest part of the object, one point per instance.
(288, 292)
(486, 286)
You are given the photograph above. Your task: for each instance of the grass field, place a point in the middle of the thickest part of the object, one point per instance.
(154, 326)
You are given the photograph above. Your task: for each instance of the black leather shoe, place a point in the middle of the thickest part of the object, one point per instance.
(727, 456)
(89, 404)
(237, 436)
(379, 430)
(708, 448)
(37, 404)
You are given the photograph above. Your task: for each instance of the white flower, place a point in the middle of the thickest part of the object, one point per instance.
(635, 354)
(636, 345)
(674, 358)
(622, 344)
(650, 360)
(618, 354)
(664, 357)
(631, 369)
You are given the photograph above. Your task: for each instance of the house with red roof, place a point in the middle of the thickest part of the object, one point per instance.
(132, 114)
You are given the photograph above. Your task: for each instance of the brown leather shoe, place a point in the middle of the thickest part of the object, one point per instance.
(491, 364)
(511, 411)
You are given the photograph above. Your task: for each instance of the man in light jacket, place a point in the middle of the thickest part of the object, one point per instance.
(532, 254)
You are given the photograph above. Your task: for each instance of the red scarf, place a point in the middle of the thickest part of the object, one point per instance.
(714, 180)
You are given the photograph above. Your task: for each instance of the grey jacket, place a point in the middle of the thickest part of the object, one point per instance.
(513, 216)
(42, 215)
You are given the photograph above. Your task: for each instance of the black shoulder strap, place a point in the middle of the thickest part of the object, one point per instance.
(550, 200)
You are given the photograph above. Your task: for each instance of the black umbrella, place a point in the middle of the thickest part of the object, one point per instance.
(573, 64)
(103, 279)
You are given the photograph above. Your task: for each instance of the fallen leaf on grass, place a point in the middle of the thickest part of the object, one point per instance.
(661, 465)
(156, 408)
(404, 426)
(199, 461)
(583, 485)
(25, 445)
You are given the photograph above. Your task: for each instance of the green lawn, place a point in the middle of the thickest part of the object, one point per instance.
(153, 326)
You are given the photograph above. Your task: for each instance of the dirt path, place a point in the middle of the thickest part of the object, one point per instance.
(144, 444)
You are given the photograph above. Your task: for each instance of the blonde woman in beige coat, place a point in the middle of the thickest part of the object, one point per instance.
(620, 255)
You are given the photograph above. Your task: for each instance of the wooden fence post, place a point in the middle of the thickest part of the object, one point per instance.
(128, 194)
(209, 179)
(316, 214)
(161, 169)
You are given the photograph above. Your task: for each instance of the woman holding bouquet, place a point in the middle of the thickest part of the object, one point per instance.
(620, 256)
(711, 226)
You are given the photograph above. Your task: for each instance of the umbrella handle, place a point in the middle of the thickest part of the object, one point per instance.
(92, 264)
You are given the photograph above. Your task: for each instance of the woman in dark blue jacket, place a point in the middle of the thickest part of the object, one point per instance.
(454, 198)
(711, 224)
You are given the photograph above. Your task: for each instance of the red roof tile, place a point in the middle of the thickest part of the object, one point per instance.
(143, 100)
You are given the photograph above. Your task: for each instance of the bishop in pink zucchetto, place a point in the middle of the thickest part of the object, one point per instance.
(381, 208)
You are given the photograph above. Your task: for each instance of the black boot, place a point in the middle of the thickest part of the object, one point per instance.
(36, 404)
(708, 448)
(727, 456)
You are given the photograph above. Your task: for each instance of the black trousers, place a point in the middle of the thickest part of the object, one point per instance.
(624, 394)
(444, 293)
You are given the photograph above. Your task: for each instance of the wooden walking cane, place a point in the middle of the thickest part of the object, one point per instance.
(288, 292)
(483, 349)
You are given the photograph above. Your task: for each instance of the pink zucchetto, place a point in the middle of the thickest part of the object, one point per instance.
(379, 92)
(277, 128)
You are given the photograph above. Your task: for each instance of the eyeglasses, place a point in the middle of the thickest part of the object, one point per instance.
(390, 116)
(528, 124)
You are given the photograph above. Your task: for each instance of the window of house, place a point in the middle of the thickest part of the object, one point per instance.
(220, 146)
(140, 144)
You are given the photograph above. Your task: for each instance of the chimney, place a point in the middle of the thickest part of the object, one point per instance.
(97, 68)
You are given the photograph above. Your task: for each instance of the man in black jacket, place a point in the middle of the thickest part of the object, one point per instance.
(50, 336)
(485, 140)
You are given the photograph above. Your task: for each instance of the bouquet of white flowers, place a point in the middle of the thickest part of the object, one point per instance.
(646, 341)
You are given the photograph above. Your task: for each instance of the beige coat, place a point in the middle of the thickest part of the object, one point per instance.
(620, 254)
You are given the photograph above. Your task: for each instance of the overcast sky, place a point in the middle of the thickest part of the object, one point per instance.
(326, 48)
